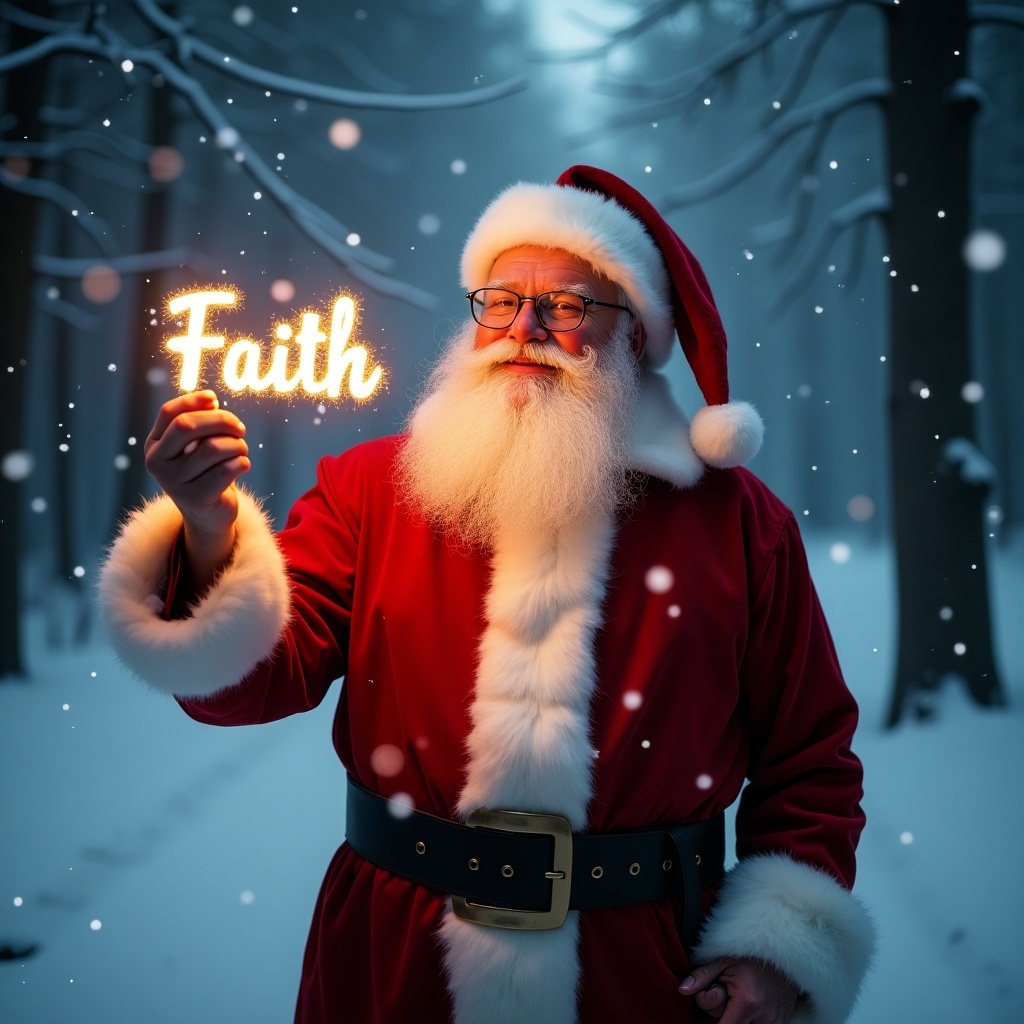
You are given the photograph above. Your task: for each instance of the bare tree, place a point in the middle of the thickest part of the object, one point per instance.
(924, 203)
(147, 46)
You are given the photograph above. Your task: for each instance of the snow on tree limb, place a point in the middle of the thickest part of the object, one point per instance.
(39, 188)
(804, 64)
(129, 263)
(1005, 203)
(64, 310)
(874, 203)
(26, 19)
(77, 141)
(996, 14)
(799, 220)
(752, 41)
(189, 47)
(766, 141)
(619, 37)
(99, 39)
(316, 223)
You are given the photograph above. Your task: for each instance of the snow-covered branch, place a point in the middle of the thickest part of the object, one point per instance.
(38, 188)
(768, 140)
(803, 170)
(681, 86)
(996, 14)
(64, 310)
(875, 203)
(804, 64)
(618, 37)
(329, 49)
(995, 204)
(316, 223)
(97, 37)
(129, 263)
(188, 47)
(26, 19)
(748, 43)
(107, 144)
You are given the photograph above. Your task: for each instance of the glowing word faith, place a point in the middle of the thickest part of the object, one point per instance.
(242, 366)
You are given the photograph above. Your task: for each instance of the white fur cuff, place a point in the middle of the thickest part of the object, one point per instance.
(234, 626)
(799, 920)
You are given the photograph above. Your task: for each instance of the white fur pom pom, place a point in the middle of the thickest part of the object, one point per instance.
(727, 435)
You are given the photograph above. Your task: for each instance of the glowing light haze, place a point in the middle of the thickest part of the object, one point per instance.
(240, 365)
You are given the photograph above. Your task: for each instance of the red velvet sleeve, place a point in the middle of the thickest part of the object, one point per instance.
(319, 542)
(805, 783)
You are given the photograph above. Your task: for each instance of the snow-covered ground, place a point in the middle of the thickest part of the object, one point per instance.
(166, 871)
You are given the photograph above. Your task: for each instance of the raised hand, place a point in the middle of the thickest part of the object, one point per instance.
(195, 452)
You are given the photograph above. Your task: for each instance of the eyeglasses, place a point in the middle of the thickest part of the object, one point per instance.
(497, 308)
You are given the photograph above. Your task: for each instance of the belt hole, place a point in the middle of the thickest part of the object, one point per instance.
(506, 870)
(634, 868)
(597, 872)
(697, 858)
(421, 847)
(666, 865)
(474, 864)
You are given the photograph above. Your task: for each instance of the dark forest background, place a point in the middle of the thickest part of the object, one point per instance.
(850, 174)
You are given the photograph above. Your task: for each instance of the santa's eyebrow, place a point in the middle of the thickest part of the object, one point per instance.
(573, 289)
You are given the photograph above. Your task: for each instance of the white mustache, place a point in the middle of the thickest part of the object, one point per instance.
(544, 354)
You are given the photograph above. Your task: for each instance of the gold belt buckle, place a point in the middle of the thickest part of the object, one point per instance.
(560, 874)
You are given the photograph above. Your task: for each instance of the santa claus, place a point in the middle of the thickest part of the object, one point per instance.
(572, 633)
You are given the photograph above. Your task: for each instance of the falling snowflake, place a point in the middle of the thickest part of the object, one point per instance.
(659, 579)
(17, 465)
(984, 250)
(632, 699)
(840, 553)
(344, 133)
(401, 805)
(387, 760)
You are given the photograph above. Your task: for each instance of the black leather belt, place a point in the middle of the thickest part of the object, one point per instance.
(518, 870)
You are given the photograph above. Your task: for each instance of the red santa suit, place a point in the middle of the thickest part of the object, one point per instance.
(624, 673)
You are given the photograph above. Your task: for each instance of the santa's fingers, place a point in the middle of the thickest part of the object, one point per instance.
(712, 999)
(205, 453)
(200, 500)
(174, 407)
(194, 481)
(183, 435)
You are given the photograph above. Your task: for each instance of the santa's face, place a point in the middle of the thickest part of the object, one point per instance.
(532, 270)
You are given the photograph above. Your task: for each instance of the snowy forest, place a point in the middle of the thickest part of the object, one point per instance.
(850, 174)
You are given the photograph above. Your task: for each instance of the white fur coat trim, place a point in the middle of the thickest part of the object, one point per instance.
(660, 445)
(801, 921)
(529, 749)
(233, 627)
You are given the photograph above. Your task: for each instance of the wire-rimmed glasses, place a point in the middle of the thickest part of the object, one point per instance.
(497, 308)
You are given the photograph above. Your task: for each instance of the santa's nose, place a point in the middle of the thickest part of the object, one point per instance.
(527, 326)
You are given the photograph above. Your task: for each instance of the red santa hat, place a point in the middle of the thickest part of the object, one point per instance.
(603, 220)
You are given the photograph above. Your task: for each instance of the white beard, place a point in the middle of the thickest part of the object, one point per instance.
(491, 452)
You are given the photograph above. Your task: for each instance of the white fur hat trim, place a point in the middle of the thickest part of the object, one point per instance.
(588, 225)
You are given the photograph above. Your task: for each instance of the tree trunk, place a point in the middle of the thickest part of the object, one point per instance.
(944, 624)
(25, 92)
(134, 482)
(68, 608)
